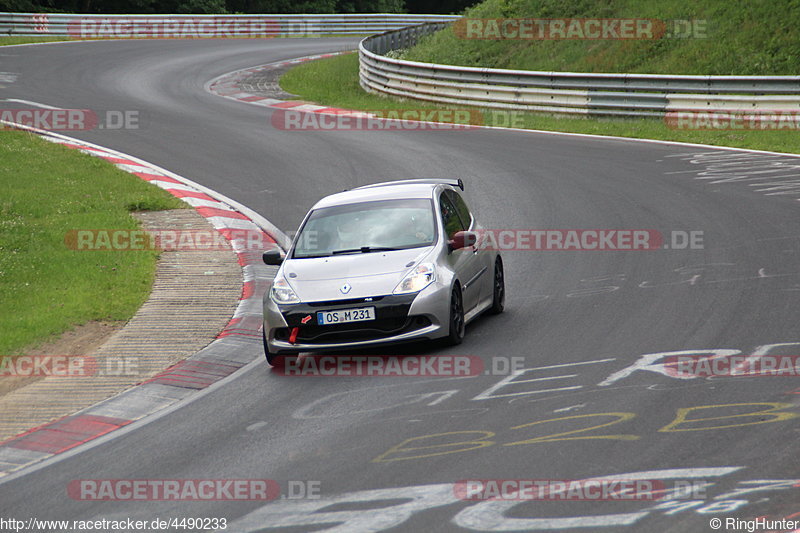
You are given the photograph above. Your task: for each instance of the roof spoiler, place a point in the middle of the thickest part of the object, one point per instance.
(447, 181)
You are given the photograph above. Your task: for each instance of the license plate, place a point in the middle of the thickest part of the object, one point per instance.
(340, 316)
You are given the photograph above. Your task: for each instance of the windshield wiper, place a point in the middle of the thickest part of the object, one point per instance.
(364, 250)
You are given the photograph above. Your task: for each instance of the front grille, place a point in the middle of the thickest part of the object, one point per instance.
(386, 307)
(355, 331)
(391, 318)
(353, 301)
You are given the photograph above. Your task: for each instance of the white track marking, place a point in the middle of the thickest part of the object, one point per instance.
(29, 102)
(489, 393)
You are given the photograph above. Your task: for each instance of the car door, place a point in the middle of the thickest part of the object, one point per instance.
(464, 262)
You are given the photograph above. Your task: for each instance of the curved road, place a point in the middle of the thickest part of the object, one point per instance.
(579, 321)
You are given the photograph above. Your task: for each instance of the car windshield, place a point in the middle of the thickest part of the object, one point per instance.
(367, 227)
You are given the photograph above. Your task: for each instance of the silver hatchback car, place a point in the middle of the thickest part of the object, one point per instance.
(386, 263)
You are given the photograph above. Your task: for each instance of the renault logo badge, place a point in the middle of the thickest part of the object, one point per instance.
(345, 288)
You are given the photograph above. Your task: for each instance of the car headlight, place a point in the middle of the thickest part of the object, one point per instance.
(282, 293)
(420, 277)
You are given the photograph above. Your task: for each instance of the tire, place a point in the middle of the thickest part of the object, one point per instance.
(498, 288)
(457, 327)
(272, 358)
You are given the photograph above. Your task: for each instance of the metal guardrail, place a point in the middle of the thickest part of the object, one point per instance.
(204, 26)
(628, 95)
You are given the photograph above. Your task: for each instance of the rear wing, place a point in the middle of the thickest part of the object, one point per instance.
(447, 181)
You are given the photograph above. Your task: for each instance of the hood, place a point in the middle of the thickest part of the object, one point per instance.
(371, 274)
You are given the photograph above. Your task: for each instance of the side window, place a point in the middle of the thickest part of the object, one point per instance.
(461, 207)
(450, 218)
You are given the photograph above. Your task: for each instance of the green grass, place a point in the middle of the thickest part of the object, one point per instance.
(45, 287)
(5, 41)
(742, 38)
(334, 82)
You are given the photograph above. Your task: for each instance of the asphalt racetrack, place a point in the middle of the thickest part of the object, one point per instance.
(387, 453)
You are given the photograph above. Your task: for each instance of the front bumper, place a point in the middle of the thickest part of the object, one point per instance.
(398, 318)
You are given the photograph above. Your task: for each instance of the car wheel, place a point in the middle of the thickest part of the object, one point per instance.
(456, 317)
(498, 289)
(272, 358)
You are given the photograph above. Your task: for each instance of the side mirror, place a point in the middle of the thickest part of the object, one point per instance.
(272, 257)
(462, 239)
